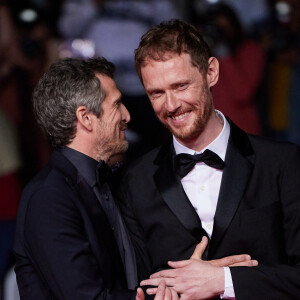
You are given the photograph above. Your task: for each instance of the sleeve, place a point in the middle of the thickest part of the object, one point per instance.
(229, 290)
(57, 244)
(278, 281)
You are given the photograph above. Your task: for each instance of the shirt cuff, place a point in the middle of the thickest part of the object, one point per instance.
(229, 290)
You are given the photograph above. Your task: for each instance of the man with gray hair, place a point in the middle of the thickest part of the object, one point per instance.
(71, 242)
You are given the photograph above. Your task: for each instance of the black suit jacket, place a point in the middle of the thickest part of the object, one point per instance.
(258, 213)
(64, 246)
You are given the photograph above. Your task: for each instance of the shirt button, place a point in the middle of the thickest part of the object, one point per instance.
(113, 228)
(202, 188)
(106, 197)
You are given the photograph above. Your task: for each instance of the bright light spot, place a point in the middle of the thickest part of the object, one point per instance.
(85, 48)
(283, 11)
(212, 1)
(28, 15)
(283, 8)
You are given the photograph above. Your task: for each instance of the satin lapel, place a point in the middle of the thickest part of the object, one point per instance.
(173, 194)
(238, 168)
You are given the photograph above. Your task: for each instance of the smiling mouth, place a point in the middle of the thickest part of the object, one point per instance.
(179, 117)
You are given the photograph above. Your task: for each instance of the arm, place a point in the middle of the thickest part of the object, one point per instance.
(278, 281)
(57, 245)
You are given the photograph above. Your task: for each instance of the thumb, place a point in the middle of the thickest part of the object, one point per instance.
(200, 248)
(140, 294)
(179, 264)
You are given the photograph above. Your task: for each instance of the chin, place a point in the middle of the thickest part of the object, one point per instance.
(120, 147)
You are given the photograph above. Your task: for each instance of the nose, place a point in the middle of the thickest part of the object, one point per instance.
(125, 114)
(172, 103)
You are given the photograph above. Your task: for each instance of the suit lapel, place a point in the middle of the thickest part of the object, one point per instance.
(173, 193)
(238, 168)
(95, 214)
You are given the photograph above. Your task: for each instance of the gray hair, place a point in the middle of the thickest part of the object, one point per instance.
(68, 84)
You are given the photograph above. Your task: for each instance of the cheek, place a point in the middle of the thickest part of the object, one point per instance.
(157, 106)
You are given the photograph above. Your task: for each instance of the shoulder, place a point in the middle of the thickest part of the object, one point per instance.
(146, 162)
(276, 156)
(271, 147)
(49, 190)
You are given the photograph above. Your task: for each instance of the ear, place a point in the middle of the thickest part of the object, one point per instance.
(84, 118)
(212, 75)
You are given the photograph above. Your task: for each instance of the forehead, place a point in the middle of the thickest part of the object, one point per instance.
(109, 86)
(172, 67)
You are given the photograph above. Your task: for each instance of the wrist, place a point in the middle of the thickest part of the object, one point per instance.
(216, 285)
(220, 281)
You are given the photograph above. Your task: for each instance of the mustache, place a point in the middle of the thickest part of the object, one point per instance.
(123, 125)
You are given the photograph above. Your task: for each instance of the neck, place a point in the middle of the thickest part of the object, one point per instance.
(212, 129)
(86, 147)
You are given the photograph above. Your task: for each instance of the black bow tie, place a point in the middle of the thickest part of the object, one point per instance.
(184, 163)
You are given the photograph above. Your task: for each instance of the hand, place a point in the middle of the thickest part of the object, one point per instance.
(162, 293)
(192, 279)
(228, 261)
(187, 286)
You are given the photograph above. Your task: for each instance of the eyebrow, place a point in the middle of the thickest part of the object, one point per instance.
(173, 85)
(151, 91)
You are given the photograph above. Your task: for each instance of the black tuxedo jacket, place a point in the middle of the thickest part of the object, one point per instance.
(64, 246)
(258, 213)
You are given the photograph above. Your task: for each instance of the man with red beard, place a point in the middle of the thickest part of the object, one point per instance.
(210, 179)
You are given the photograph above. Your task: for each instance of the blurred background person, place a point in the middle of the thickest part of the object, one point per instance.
(113, 29)
(242, 63)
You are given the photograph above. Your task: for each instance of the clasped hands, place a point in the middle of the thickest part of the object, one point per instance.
(193, 278)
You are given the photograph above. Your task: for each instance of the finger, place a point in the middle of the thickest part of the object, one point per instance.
(230, 260)
(140, 294)
(168, 294)
(175, 295)
(164, 273)
(151, 291)
(249, 263)
(156, 281)
(160, 293)
(200, 248)
(178, 264)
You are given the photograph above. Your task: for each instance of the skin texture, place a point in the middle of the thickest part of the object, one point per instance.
(104, 137)
(162, 293)
(181, 99)
(113, 121)
(195, 278)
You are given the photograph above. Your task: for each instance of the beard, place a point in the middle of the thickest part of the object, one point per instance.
(108, 146)
(202, 112)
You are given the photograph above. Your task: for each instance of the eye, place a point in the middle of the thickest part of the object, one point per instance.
(182, 86)
(156, 94)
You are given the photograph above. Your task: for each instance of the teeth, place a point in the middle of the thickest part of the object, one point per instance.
(180, 116)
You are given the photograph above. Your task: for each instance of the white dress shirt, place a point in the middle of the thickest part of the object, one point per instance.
(202, 187)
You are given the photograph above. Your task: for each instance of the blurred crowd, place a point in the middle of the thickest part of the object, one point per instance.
(257, 43)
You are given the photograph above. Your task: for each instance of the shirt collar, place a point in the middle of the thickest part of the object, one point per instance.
(84, 164)
(218, 145)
